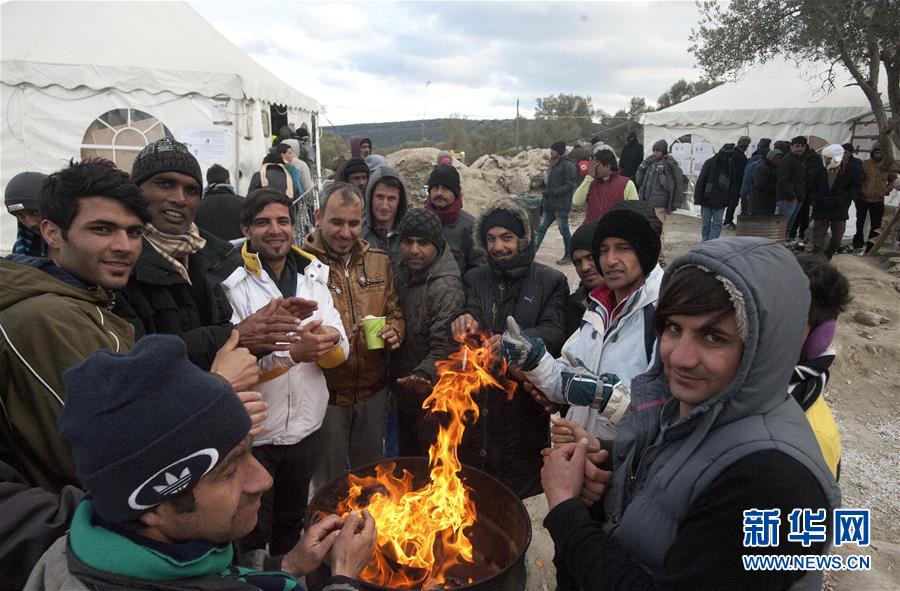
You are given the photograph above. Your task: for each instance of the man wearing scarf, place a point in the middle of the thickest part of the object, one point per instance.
(445, 199)
(175, 286)
(507, 439)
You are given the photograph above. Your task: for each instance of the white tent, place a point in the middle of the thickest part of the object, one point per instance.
(777, 100)
(82, 79)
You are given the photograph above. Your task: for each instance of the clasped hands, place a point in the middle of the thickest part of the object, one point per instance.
(571, 465)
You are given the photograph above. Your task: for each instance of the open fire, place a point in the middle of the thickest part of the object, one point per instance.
(424, 532)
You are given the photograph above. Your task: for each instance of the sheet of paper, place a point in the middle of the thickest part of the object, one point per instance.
(206, 144)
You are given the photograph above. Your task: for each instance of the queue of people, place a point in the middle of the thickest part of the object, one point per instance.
(172, 398)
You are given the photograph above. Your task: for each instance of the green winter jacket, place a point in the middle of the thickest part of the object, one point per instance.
(48, 323)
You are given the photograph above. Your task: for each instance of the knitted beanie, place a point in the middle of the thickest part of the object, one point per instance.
(643, 208)
(165, 155)
(22, 191)
(354, 165)
(662, 146)
(422, 223)
(447, 176)
(636, 230)
(583, 237)
(773, 154)
(559, 147)
(147, 425)
(505, 219)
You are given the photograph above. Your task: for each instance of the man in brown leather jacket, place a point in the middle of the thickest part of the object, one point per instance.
(361, 284)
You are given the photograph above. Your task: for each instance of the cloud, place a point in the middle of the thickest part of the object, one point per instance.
(374, 57)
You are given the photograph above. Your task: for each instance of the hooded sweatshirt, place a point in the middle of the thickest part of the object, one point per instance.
(674, 507)
(388, 241)
(49, 322)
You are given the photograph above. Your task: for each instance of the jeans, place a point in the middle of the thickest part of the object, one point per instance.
(711, 220)
(283, 507)
(562, 218)
(787, 209)
(876, 212)
(353, 432)
(820, 229)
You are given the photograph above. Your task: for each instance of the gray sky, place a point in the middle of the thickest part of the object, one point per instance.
(370, 61)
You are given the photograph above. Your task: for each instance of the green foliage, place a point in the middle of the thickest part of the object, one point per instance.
(858, 35)
(565, 117)
(333, 149)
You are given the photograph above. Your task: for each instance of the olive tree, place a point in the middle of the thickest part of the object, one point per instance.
(861, 36)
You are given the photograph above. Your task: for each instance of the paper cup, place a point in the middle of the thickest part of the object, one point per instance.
(372, 325)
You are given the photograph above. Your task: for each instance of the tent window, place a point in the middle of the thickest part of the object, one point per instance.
(267, 126)
(120, 134)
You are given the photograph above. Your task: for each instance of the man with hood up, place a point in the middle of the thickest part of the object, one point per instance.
(659, 181)
(360, 147)
(431, 295)
(836, 186)
(717, 186)
(713, 433)
(509, 435)
(632, 154)
(759, 155)
(386, 205)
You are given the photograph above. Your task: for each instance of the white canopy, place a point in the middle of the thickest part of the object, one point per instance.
(82, 79)
(150, 46)
(777, 100)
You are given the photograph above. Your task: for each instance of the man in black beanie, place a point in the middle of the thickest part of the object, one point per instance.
(431, 295)
(445, 199)
(356, 172)
(509, 435)
(614, 342)
(21, 200)
(173, 484)
(176, 284)
(562, 179)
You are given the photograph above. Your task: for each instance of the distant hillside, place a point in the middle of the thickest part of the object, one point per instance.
(389, 135)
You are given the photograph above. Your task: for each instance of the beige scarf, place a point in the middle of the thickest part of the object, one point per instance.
(176, 248)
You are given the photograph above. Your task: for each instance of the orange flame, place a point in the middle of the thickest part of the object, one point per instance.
(423, 533)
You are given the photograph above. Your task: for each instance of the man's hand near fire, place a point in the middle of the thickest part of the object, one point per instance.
(416, 384)
(593, 480)
(463, 327)
(350, 540)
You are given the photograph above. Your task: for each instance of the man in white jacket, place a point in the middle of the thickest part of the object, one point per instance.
(291, 382)
(615, 341)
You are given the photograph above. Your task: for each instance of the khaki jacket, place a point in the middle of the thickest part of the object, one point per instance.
(363, 286)
(876, 182)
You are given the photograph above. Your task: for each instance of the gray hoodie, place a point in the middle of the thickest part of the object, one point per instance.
(649, 498)
(386, 241)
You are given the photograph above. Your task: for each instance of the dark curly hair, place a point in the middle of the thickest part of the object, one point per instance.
(94, 177)
(828, 288)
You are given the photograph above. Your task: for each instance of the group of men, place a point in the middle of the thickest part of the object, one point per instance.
(197, 390)
(656, 180)
(791, 179)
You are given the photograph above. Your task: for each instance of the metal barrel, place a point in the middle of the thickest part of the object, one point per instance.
(773, 227)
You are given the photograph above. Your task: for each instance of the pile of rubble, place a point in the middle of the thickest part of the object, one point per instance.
(488, 178)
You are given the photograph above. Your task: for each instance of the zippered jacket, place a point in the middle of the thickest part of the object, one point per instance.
(363, 285)
(295, 392)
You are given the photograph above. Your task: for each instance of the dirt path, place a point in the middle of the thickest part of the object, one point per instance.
(863, 394)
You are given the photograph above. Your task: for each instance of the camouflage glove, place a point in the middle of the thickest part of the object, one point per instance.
(518, 349)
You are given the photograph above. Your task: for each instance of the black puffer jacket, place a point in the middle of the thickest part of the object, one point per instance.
(509, 435)
(719, 183)
(157, 300)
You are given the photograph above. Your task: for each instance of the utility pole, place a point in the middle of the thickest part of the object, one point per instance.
(517, 124)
